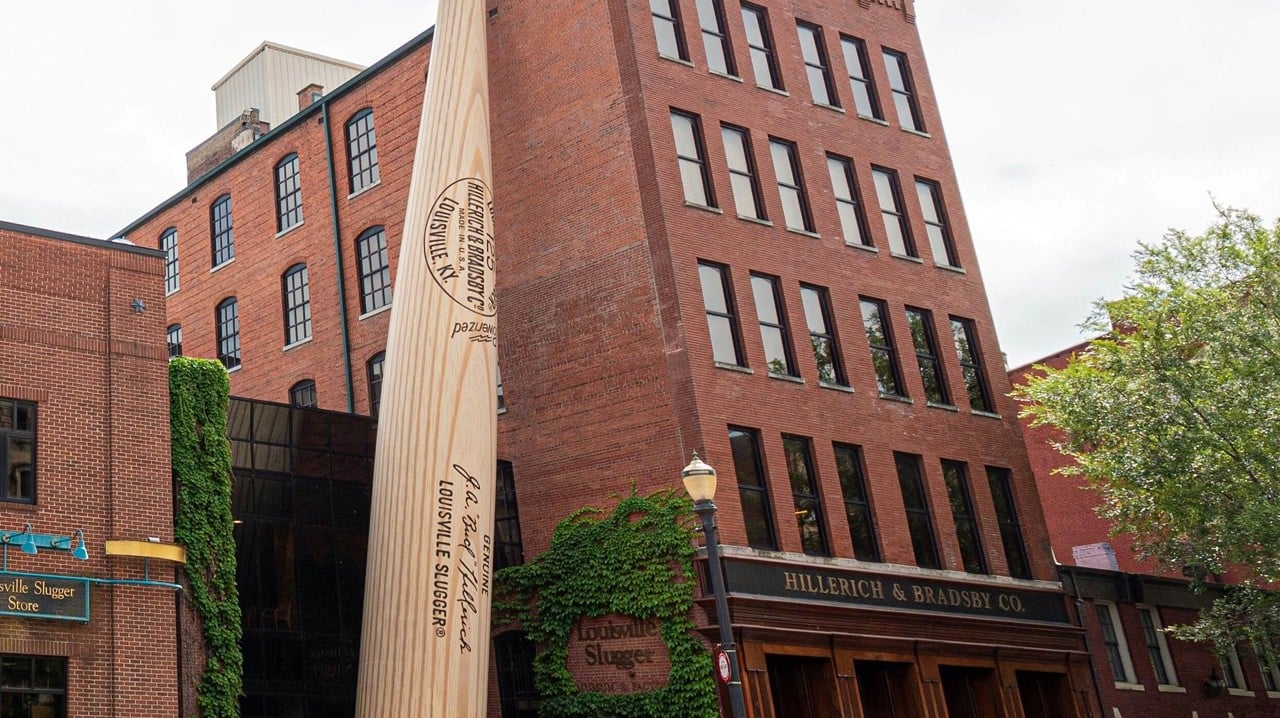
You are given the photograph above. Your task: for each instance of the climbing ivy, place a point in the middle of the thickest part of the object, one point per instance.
(198, 395)
(636, 561)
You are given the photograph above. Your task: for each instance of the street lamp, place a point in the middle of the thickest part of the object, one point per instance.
(700, 481)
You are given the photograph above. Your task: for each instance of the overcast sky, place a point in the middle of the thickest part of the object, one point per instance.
(1077, 128)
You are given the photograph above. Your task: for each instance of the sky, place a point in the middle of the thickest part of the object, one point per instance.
(1078, 129)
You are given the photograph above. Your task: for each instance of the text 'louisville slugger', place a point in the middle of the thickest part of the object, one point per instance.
(425, 645)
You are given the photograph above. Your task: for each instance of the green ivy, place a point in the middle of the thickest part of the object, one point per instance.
(637, 562)
(199, 392)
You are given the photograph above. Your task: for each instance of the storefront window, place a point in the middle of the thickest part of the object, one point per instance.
(33, 687)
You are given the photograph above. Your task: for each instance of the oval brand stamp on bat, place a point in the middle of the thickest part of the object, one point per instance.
(459, 250)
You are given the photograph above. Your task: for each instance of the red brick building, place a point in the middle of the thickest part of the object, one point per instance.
(1141, 671)
(726, 227)
(84, 428)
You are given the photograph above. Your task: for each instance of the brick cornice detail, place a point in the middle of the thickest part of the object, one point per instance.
(908, 7)
(79, 342)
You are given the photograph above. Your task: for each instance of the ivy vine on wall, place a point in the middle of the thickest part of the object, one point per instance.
(636, 561)
(199, 392)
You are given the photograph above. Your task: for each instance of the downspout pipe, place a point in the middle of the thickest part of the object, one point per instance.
(337, 254)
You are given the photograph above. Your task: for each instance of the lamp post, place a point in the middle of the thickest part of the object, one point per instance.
(700, 481)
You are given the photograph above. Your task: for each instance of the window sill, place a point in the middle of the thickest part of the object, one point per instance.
(732, 367)
(897, 397)
(1121, 686)
(298, 343)
(786, 377)
(14, 505)
(833, 108)
(918, 133)
(283, 232)
(836, 387)
(364, 189)
(774, 90)
(220, 266)
(235, 368)
(676, 60)
(870, 118)
(172, 292)
(906, 257)
(805, 232)
(703, 207)
(988, 414)
(944, 407)
(379, 310)
(725, 75)
(1172, 689)
(502, 410)
(1273, 694)
(1242, 692)
(755, 220)
(863, 247)
(951, 268)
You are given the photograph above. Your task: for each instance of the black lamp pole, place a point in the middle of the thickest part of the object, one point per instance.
(706, 510)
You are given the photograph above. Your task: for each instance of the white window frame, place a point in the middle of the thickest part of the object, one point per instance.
(1272, 671)
(1231, 663)
(1165, 655)
(1130, 683)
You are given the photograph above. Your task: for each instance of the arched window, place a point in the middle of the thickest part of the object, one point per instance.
(169, 245)
(296, 298)
(224, 248)
(288, 194)
(303, 394)
(374, 367)
(375, 271)
(362, 151)
(227, 322)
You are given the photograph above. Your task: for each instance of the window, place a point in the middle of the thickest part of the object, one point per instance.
(666, 26)
(795, 203)
(227, 321)
(513, 654)
(174, 333)
(822, 335)
(804, 490)
(742, 172)
(920, 322)
(935, 223)
(1266, 664)
(1113, 639)
(774, 333)
(715, 39)
(224, 247)
(752, 492)
(297, 304)
(722, 320)
(888, 690)
(916, 503)
(375, 271)
(1015, 551)
(1232, 672)
(895, 220)
(502, 396)
(814, 52)
(33, 686)
(975, 381)
(507, 547)
(692, 159)
(1157, 646)
(169, 245)
(880, 339)
(373, 369)
(904, 99)
(18, 444)
(852, 222)
(303, 394)
(362, 151)
(956, 476)
(760, 43)
(288, 194)
(860, 82)
(857, 502)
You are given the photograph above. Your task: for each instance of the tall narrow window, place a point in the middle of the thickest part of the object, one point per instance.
(1158, 647)
(297, 304)
(18, 450)
(288, 194)
(804, 490)
(375, 271)
(715, 38)
(169, 245)
(935, 222)
(956, 475)
(916, 503)
(175, 340)
(742, 172)
(764, 60)
(965, 335)
(692, 159)
(860, 82)
(227, 321)
(508, 549)
(752, 491)
(795, 203)
(822, 335)
(1114, 643)
(666, 26)
(502, 396)
(362, 151)
(722, 320)
(857, 502)
(1233, 672)
(904, 98)
(895, 219)
(880, 340)
(774, 333)
(816, 65)
(1015, 551)
(303, 394)
(513, 655)
(853, 224)
(224, 246)
(920, 322)
(1266, 663)
(373, 370)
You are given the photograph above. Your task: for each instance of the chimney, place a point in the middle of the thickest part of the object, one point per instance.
(309, 94)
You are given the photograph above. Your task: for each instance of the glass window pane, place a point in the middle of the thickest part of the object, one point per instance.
(713, 297)
(722, 348)
(766, 308)
(691, 177)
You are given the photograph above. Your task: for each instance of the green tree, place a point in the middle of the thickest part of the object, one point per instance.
(1173, 415)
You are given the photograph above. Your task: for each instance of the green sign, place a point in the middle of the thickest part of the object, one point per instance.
(35, 596)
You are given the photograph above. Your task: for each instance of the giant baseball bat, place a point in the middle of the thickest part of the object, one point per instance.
(425, 645)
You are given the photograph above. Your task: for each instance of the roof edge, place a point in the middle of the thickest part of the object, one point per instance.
(79, 239)
(267, 44)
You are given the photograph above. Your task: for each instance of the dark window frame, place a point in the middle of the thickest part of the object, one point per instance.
(807, 498)
(938, 228)
(840, 169)
(780, 325)
(1158, 650)
(173, 336)
(769, 542)
(886, 350)
(226, 320)
(221, 231)
(1113, 641)
(793, 186)
(968, 534)
(698, 159)
(864, 79)
(820, 65)
(857, 501)
(506, 514)
(670, 21)
(1000, 481)
(907, 92)
(303, 395)
(928, 359)
(19, 487)
(288, 193)
(28, 685)
(763, 49)
(169, 245)
(374, 369)
(730, 313)
(375, 269)
(824, 335)
(295, 295)
(924, 537)
(749, 173)
(975, 378)
(362, 151)
(716, 36)
(513, 655)
(896, 213)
